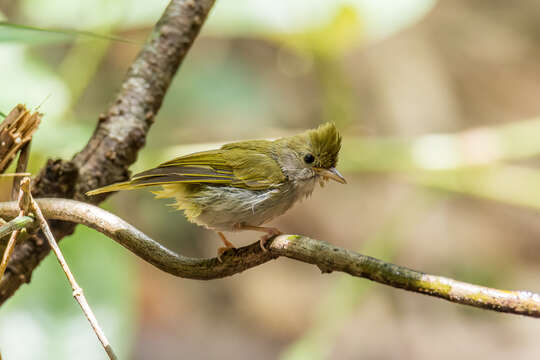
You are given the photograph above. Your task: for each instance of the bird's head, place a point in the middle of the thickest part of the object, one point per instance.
(311, 155)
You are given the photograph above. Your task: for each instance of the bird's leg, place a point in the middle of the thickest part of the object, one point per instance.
(270, 233)
(227, 243)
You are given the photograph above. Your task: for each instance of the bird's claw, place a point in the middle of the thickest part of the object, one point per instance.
(222, 250)
(271, 232)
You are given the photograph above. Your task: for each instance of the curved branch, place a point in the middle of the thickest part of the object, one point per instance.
(322, 254)
(142, 245)
(120, 132)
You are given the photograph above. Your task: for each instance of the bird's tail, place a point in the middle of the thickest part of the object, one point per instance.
(126, 185)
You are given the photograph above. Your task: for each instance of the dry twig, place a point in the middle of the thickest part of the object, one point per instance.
(22, 205)
(8, 251)
(322, 254)
(78, 293)
(22, 163)
(15, 132)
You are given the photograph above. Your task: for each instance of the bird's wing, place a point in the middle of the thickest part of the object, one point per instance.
(238, 165)
(206, 166)
(253, 169)
(244, 168)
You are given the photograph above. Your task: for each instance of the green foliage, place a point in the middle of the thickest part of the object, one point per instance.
(24, 34)
(332, 39)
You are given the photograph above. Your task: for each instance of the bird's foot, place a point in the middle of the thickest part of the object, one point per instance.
(228, 245)
(270, 233)
(222, 250)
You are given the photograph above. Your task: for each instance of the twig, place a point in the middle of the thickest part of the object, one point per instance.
(322, 254)
(22, 163)
(16, 131)
(19, 223)
(22, 205)
(15, 174)
(77, 290)
(8, 251)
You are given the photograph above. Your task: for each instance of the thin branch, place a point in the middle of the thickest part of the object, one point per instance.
(120, 132)
(16, 174)
(8, 251)
(15, 131)
(78, 293)
(22, 206)
(22, 163)
(18, 223)
(322, 254)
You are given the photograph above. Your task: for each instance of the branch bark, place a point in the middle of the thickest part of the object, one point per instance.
(120, 132)
(327, 257)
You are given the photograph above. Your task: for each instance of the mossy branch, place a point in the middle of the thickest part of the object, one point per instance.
(327, 257)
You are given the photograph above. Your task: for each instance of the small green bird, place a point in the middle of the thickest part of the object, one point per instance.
(244, 184)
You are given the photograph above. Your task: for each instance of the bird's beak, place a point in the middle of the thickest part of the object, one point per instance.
(331, 173)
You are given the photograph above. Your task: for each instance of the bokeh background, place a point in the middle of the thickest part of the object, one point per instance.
(438, 105)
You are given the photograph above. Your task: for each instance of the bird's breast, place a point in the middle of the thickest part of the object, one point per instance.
(224, 207)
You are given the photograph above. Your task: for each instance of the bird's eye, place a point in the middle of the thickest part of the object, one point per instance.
(309, 158)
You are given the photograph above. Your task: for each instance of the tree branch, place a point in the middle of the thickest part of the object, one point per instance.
(120, 132)
(322, 254)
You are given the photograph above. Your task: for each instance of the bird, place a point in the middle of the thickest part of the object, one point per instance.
(243, 185)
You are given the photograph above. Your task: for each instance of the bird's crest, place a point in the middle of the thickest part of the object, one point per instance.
(326, 143)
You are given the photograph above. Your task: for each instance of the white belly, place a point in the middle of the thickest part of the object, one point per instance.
(222, 208)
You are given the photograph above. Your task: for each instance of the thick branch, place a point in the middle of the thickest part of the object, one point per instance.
(120, 133)
(322, 254)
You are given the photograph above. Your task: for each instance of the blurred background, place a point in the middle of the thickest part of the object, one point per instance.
(438, 105)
